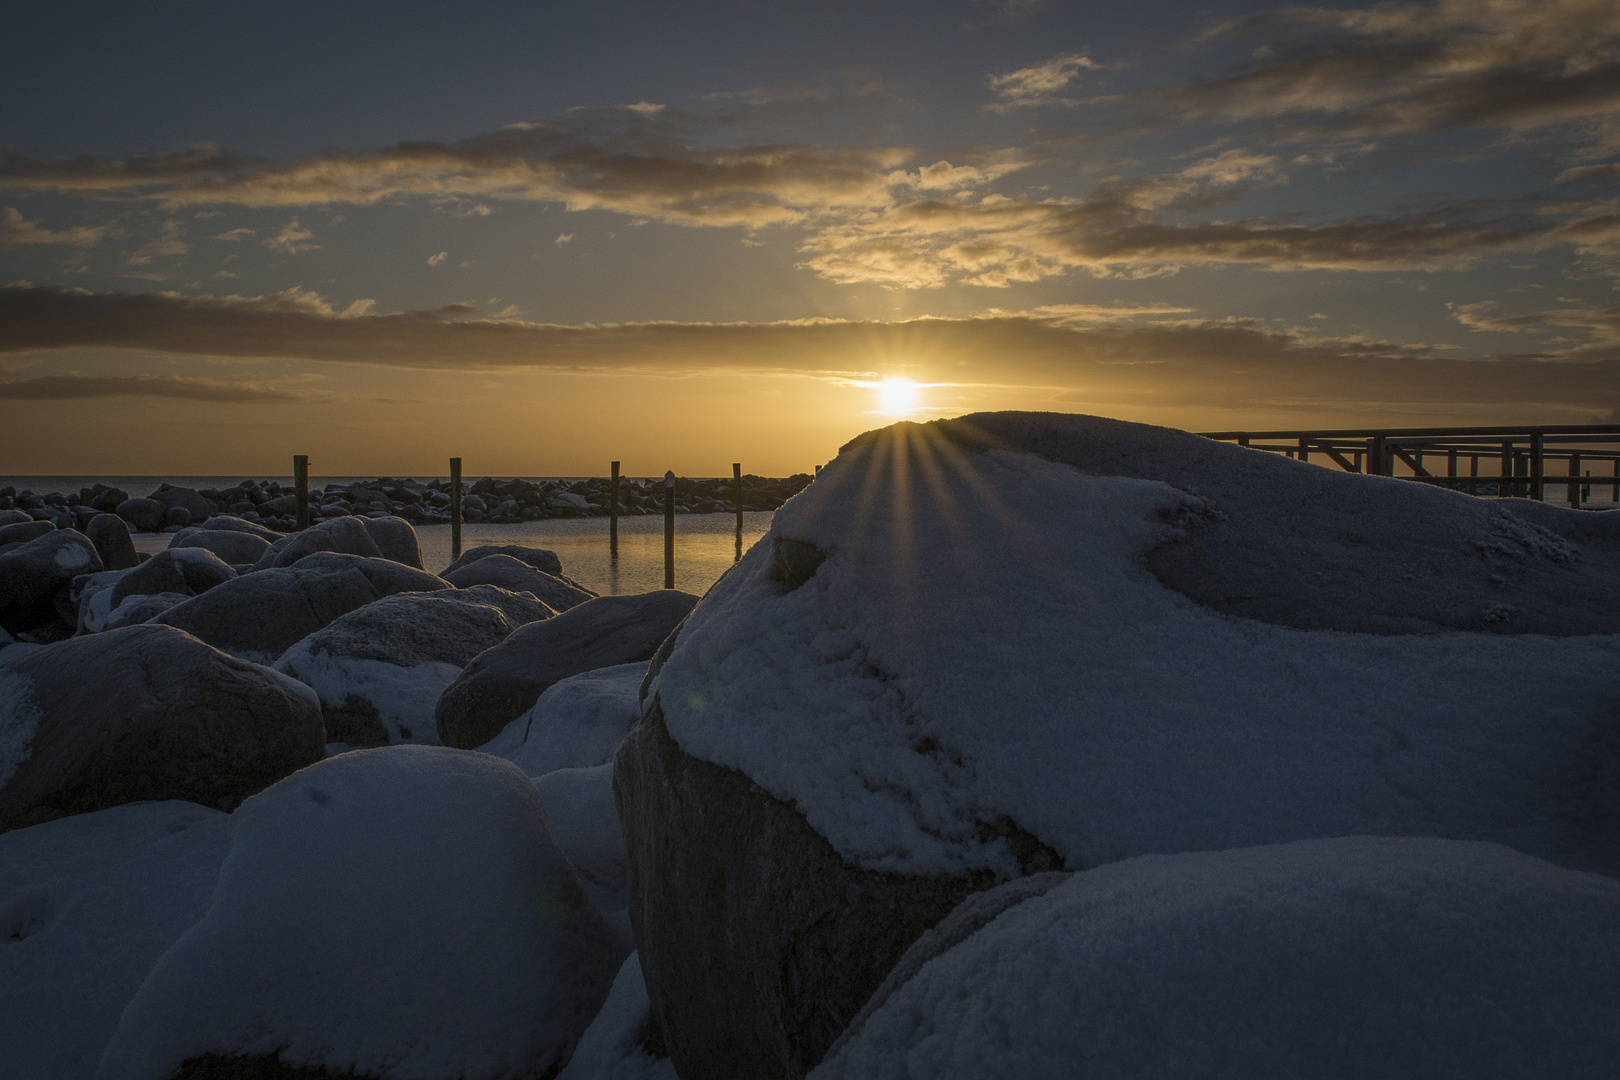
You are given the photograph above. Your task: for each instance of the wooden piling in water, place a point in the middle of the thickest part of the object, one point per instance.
(669, 529)
(1538, 466)
(613, 511)
(301, 488)
(455, 508)
(1574, 492)
(737, 495)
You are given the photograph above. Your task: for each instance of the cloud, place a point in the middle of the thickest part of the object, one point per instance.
(14, 231)
(292, 239)
(564, 238)
(80, 387)
(167, 244)
(235, 235)
(435, 260)
(1041, 84)
(1120, 358)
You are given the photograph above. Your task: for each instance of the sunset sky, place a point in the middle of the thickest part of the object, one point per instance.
(541, 236)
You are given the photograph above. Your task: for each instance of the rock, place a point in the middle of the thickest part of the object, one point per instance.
(106, 499)
(187, 571)
(281, 504)
(141, 607)
(1073, 679)
(539, 558)
(396, 539)
(585, 823)
(22, 532)
(262, 614)
(34, 574)
(176, 517)
(144, 515)
(615, 1045)
(14, 517)
(508, 573)
(111, 538)
(229, 523)
(346, 536)
(503, 682)
(380, 668)
(146, 712)
(1365, 956)
(197, 507)
(394, 912)
(576, 724)
(231, 545)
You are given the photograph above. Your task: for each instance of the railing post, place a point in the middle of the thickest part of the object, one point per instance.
(301, 488)
(1538, 466)
(455, 508)
(1376, 455)
(613, 511)
(737, 494)
(1243, 438)
(1574, 492)
(669, 529)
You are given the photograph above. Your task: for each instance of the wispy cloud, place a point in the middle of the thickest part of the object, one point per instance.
(1039, 84)
(291, 239)
(166, 244)
(15, 230)
(79, 387)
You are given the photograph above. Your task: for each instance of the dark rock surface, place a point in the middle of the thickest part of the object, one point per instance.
(35, 579)
(231, 545)
(24, 531)
(145, 515)
(148, 712)
(345, 536)
(142, 607)
(111, 537)
(505, 572)
(504, 682)
(197, 507)
(230, 523)
(188, 571)
(542, 560)
(396, 539)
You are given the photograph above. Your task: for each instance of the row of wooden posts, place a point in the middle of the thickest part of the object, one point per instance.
(301, 492)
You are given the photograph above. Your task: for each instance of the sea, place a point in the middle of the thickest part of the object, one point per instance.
(706, 545)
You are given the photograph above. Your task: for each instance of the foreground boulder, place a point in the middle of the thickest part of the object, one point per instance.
(145, 712)
(542, 560)
(877, 712)
(392, 912)
(380, 668)
(1353, 957)
(506, 572)
(36, 577)
(502, 683)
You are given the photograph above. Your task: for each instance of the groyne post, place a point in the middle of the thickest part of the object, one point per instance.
(737, 495)
(613, 510)
(1574, 492)
(301, 488)
(1538, 466)
(669, 529)
(455, 508)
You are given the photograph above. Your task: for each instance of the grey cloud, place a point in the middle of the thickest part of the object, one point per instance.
(79, 387)
(15, 230)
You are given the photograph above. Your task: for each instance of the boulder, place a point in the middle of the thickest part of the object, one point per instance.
(187, 571)
(262, 614)
(396, 539)
(616, 1043)
(143, 515)
(585, 823)
(539, 558)
(345, 536)
(196, 506)
(232, 546)
(1366, 956)
(14, 517)
(139, 608)
(146, 712)
(505, 681)
(511, 574)
(1072, 680)
(176, 517)
(35, 575)
(111, 538)
(380, 668)
(393, 912)
(229, 523)
(24, 531)
(576, 724)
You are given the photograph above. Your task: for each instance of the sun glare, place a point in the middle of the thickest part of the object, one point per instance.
(898, 395)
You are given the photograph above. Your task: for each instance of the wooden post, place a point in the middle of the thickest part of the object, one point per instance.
(669, 529)
(1304, 449)
(1574, 492)
(737, 494)
(1243, 438)
(1451, 465)
(613, 512)
(1538, 466)
(818, 470)
(1505, 487)
(1358, 461)
(301, 488)
(1377, 457)
(455, 508)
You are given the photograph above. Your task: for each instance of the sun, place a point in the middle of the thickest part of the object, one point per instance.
(898, 395)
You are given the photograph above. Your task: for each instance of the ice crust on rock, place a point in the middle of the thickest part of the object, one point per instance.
(983, 644)
(576, 724)
(1350, 958)
(400, 912)
(611, 1047)
(87, 905)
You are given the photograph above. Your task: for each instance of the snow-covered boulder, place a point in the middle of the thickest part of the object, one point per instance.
(146, 712)
(380, 668)
(345, 536)
(396, 912)
(188, 571)
(621, 1044)
(504, 682)
(509, 573)
(577, 723)
(585, 823)
(1325, 958)
(139, 608)
(36, 576)
(231, 545)
(974, 652)
(542, 560)
(260, 615)
(396, 539)
(87, 905)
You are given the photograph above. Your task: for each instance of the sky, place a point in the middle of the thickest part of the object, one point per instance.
(544, 236)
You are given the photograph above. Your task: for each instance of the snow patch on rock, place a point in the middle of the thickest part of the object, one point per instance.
(577, 723)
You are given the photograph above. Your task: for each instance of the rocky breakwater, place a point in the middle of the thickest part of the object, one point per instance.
(1157, 687)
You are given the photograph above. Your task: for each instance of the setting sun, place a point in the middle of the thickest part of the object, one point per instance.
(898, 395)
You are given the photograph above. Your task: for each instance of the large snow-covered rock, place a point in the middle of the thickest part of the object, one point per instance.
(380, 668)
(35, 578)
(577, 723)
(87, 905)
(145, 712)
(260, 615)
(948, 665)
(509, 573)
(188, 571)
(400, 912)
(1324, 958)
(504, 682)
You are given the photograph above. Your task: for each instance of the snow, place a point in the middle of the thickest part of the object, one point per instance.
(404, 696)
(74, 557)
(577, 723)
(611, 1048)
(19, 719)
(400, 912)
(584, 821)
(87, 905)
(1346, 958)
(983, 640)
